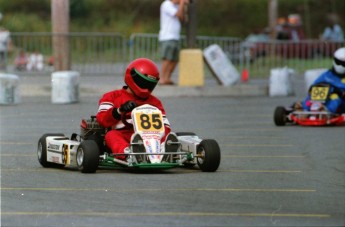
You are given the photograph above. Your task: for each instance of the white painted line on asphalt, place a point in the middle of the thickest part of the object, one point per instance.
(171, 214)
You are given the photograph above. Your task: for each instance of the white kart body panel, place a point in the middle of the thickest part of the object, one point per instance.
(153, 146)
(62, 150)
(148, 122)
(189, 143)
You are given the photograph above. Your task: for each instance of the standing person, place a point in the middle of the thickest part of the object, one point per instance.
(333, 31)
(5, 45)
(282, 31)
(171, 17)
(21, 60)
(35, 62)
(296, 32)
(141, 77)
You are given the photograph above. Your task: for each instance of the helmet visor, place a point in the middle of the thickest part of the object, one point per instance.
(143, 81)
(339, 62)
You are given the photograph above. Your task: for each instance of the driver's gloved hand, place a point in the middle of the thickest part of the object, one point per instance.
(124, 108)
(128, 106)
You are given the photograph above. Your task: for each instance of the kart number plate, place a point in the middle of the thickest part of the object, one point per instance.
(149, 122)
(319, 93)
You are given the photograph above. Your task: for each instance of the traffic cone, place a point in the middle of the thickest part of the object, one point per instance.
(245, 75)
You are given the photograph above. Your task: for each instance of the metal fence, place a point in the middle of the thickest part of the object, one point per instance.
(109, 53)
(300, 56)
(147, 45)
(91, 53)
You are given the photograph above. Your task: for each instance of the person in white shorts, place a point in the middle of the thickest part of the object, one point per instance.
(171, 17)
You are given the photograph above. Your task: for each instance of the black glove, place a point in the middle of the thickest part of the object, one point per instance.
(124, 108)
(128, 106)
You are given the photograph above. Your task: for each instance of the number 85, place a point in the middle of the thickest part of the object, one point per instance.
(147, 123)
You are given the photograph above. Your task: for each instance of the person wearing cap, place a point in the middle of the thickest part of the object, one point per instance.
(296, 32)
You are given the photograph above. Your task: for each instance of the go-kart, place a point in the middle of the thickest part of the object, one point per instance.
(317, 116)
(88, 152)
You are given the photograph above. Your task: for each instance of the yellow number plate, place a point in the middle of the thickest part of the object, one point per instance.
(319, 93)
(149, 122)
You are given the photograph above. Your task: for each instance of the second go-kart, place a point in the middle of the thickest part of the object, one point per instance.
(317, 116)
(88, 151)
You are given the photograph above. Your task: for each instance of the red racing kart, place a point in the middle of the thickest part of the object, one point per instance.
(317, 116)
(283, 115)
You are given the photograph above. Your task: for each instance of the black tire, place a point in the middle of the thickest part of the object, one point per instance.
(99, 141)
(208, 155)
(88, 156)
(185, 134)
(280, 114)
(42, 151)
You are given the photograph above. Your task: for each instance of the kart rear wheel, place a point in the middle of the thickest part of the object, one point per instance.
(208, 155)
(97, 137)
(280, 114)
(42, 151)
(88, 156)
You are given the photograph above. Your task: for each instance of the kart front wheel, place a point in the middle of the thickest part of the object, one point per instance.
(208, 155)
(280, 116)
(42, 151)
(88, 156)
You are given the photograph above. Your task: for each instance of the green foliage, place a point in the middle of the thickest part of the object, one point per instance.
(79, 9)
(26, 22)
(233, 18)
(41, 7)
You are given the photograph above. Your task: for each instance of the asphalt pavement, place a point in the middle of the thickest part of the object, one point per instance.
(268, 176)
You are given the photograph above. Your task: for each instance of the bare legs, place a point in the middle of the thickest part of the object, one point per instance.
(168, 68)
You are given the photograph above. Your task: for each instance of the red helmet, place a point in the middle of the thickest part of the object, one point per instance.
(142, 76)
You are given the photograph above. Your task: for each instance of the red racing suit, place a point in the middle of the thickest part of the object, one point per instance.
(118, 138)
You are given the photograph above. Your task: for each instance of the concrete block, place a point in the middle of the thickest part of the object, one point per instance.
(9, 89)
(65, 87)
(191, 68)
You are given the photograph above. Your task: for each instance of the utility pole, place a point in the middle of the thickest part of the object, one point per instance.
(60, 27)
(191, 24)
(272, 16)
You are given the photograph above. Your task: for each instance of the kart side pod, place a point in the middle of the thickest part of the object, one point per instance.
(56, 150)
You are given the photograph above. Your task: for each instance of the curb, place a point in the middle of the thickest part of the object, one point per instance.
(168, 91)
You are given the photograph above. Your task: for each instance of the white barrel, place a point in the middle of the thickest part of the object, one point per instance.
(311, 75)
(65, 87)
(9, 89)
(281, 82)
